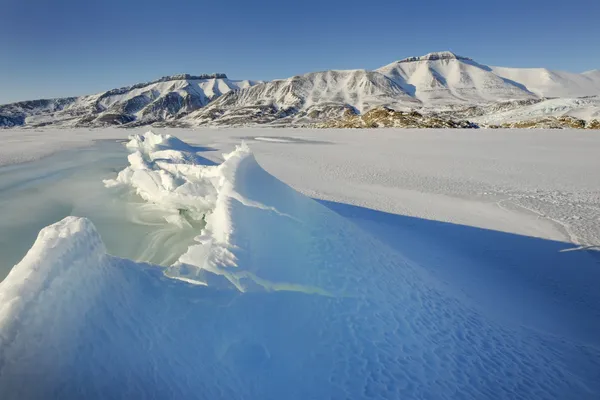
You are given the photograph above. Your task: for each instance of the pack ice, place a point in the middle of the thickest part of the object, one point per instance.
(278, 297)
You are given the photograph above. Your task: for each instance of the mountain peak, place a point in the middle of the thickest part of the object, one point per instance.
(440, 55)
(190, 77)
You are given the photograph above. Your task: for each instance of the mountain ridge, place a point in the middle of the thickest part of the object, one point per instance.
(436, 82)
(438, 55)
(162, 99)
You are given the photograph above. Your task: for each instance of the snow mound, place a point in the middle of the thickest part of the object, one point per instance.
(296, 302)
(51, 258)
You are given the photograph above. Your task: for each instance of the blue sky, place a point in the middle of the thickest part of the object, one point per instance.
(70, 47)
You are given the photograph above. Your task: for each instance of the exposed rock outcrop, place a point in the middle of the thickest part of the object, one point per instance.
(383, 117)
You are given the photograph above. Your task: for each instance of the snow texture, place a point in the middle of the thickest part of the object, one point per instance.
(295, 301)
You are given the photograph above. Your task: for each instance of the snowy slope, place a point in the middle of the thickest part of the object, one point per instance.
(164, 99)
(593, 74)
(587, 108)
(548, 83)
(292, 300)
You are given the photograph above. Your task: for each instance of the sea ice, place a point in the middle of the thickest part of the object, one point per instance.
(296, 302)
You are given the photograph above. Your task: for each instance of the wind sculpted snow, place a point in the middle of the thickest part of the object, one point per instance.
(292, 301)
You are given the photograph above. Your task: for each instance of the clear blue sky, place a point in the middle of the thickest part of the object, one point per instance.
(74, 47)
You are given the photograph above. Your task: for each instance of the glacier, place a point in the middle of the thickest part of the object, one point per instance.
(277, 297)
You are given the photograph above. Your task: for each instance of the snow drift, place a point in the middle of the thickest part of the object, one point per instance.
(295, 302)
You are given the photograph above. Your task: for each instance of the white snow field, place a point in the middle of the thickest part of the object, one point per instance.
(427, 264)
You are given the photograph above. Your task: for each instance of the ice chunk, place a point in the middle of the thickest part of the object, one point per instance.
(167, 172)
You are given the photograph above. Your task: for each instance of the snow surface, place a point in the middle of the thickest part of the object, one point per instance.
(296, 299)
(22, 145)
(268, 139)
(536, 183)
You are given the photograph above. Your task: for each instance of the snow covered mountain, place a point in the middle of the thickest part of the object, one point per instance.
(313, 96)
(435, 82)
(164, 99)
(445, 78)
(441, 83)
